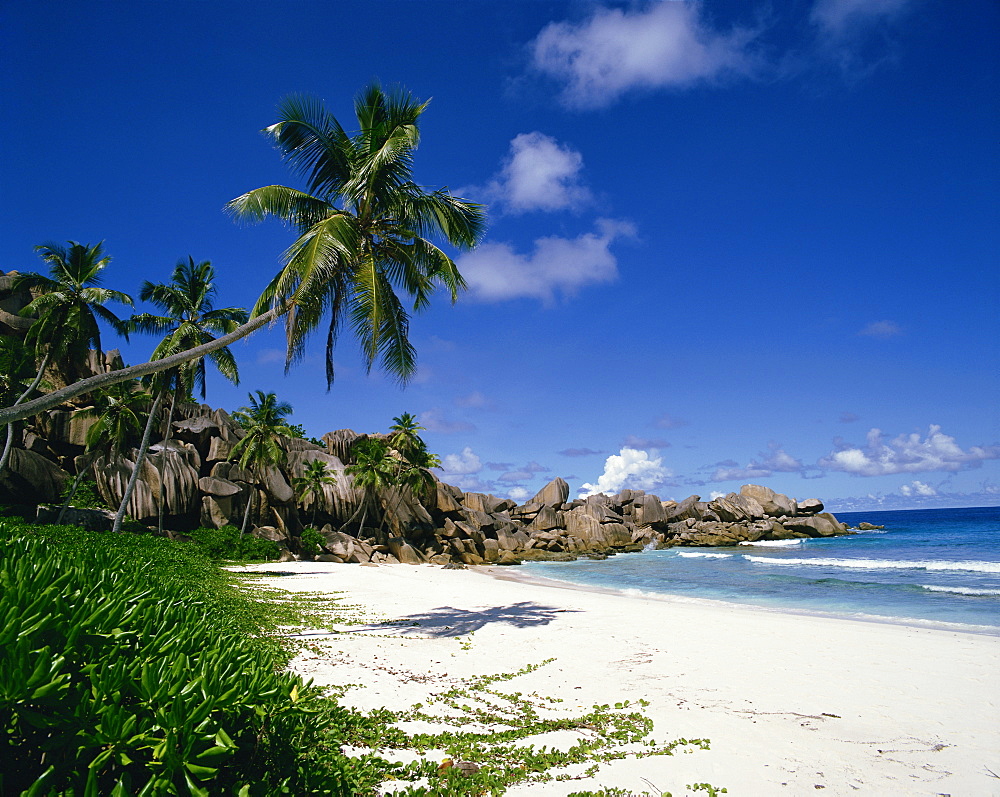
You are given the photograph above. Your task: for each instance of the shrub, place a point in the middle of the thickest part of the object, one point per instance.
(119, 674)
(312, 542)
(85, 497)
(226, 544)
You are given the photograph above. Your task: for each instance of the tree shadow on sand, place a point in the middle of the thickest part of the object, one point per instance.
(446, 621)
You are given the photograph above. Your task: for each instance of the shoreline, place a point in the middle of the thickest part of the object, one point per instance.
(671, 597)
(790, 702)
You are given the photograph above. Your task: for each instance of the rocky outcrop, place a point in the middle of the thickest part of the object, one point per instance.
(441, 525)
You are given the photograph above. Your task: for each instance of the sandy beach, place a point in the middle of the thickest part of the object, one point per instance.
(792, 704)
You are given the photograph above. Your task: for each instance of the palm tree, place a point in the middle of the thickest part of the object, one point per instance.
(413, 468)
(365, 230)
(312, 481)
(119, 410)
(373, 470)
(404, 437)
(364, 226)
(68, 308)
(17, 367)
(264, 424)
(189, 321)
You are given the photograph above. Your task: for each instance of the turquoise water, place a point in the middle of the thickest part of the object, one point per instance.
(929, 565)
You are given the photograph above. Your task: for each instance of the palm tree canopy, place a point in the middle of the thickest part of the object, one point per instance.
(366, 229)
(264, 424)
(190, 320)
(313, 478)
(17, 368)
(120, 411)
(374, 467)
(71, 300)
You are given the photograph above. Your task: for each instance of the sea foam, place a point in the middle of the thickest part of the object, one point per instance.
(880, 564)
(962, 590)
(701, 555)
(774, 543)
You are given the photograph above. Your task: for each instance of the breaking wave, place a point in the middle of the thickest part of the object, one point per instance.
(962, 590)
(881, 564)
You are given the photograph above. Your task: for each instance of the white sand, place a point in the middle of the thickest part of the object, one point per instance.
(916, 708)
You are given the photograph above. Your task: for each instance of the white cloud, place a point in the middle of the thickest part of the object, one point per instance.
(539, 174)
(908, 454)
(433, 420)
(715, 494)
(464, 463)
(840, 17)
(917, 488)
(615, 50)
(519, 493)
(882, 329)
(630, 468)
(775, 459)
(495, 272)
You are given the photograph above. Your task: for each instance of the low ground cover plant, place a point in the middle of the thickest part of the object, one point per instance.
(130, 665)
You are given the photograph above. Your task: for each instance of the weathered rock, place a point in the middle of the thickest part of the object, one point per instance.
(552, 494)
(810, 506)
(31, 478)
(277, 486)
(546, 519)
(91, 519)
(216, 512)
(508, 558)
(648, 511)
(774, 504)
(217, 487)
(688, 508)
(449, 499)
(405, 552)
(864, 526)
(823, 525)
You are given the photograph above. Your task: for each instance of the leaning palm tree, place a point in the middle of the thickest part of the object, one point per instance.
(404, 435)
(365, 230)
(189, 320)
(312, 481)
(365, 227)
(264, 424)
(67, 310)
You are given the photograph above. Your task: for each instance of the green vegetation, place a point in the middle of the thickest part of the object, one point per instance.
(312, 542)
(228, 545)
(132, 664)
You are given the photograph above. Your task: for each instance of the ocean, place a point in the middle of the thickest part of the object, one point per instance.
(937, 567)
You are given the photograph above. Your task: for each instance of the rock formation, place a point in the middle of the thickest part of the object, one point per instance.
(202, 487)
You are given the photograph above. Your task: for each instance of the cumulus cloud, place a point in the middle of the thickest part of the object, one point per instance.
(464, 463)
(579, 452)
(519, 493)
(433, 420)
(774, 460)
(882, 329)
(634, 441)
(838, 18)
(907, 453)
(665, 45)
(539, 173)
(630, 468)
(917, 488)
(495, 272)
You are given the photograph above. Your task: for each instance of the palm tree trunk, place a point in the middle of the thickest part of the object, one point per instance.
(76, 484)
(161, 504)
(92, 383)
(140, 456)
(11, 426)
(246, 513)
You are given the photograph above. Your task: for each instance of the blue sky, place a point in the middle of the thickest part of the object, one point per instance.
(728, 241)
